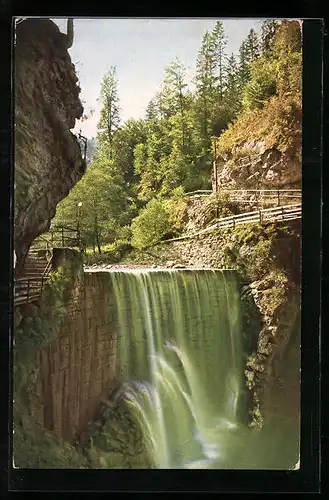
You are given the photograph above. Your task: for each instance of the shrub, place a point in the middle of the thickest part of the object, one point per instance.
(262, 85)
(35, 447)
(178, 216)
(151, 224)
(111, 253)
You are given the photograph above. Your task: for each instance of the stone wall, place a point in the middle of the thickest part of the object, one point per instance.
(77, 371)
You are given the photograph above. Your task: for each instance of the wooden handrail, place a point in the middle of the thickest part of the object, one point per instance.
(29, 289)
(54, 228)
(288, 212)
(59, 235)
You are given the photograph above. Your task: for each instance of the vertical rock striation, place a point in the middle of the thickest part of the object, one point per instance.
(48, 161)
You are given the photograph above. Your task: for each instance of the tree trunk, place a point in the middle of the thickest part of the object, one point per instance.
(97, 235)
(98, 243)
(182, 116)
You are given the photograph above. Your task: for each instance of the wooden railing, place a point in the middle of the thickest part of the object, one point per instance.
(251, 195)
(265, 216)
(28, 290)
(59, 236)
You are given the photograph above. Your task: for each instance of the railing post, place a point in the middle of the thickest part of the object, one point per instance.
(282, 212)
(78, 238)
(278, 197)
(233, 222)
(62, 237)
(260, 217)
(28, 289)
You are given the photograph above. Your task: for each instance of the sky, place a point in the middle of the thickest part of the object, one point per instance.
(140, 49)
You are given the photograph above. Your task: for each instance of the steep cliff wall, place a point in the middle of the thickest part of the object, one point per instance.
(48, 161)
(73, 368)
(252, 165)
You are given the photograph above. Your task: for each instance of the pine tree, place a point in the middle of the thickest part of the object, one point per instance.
(249, 51)
(151, 111)
(252, 46)
(174, 88)
(268, 30)
(232, 92)
(206, 85)
(110, 118)
(244, 72)
(219, 41)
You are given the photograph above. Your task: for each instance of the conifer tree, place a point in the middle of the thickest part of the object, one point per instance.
(219, 41)
(110, 117)
(232, 92)
(268, 30)
(252, 46)
(206, 84)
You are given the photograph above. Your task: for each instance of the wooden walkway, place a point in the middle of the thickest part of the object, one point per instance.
(253, 196)
(38, 264)
(29, 287)
(265, 216)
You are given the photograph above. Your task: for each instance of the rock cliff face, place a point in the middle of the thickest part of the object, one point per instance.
(48, 161)
(254, 166)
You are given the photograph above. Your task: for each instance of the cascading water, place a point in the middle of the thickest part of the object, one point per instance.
(181, 362)
(181, 358)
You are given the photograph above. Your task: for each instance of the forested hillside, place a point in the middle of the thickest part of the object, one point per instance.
(132, 192)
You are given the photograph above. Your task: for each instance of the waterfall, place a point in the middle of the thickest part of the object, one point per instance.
(180, 358)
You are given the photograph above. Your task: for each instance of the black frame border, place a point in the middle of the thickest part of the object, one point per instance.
(307, 479)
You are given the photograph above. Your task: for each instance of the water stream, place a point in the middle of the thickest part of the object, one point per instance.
(181, 360)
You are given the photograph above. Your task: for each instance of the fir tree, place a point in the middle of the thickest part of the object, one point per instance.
(110, 118)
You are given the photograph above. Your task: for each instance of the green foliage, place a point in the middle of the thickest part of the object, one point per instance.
(256, 250)
(116, 441)
(110, 118)
(262, 84)
(34, 447)
(111, 253)
(268, 31)
(40, 325)
(271, 94)
(151, 224)
(178, 216)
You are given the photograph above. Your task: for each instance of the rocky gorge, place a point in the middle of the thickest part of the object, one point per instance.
(266, 259)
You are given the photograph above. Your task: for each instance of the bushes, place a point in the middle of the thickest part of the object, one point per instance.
(151, 224)
(34, 447)
(256, 250)
(262, 85)
(178, 216)
(111, 253)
